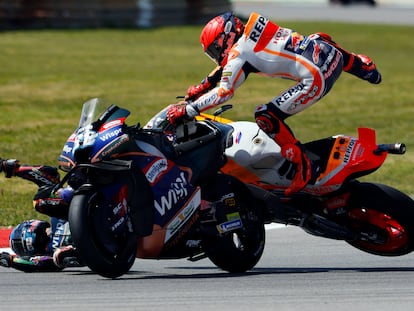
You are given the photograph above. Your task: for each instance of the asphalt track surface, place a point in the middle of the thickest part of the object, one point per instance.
(296, 272)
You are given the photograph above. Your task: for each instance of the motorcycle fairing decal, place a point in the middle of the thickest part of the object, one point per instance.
(230, 225)
(170, 185)
(61, 234)
(107, 150)
(151, 246)
(112, 124)
(170, 194)
(338, 159)
(156, 169)
(238, 137)
(106, 139)
(183, 215)
(147, 163)
(66, 159)
(350, 155)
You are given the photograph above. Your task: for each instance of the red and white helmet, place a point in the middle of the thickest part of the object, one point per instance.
(219, 35)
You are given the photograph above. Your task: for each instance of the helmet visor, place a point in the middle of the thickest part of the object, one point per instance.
(215, 50)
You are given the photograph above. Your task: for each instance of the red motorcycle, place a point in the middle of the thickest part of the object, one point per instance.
(372, 217)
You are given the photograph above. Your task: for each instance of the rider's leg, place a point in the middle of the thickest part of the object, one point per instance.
(359, 65)
(291, 149)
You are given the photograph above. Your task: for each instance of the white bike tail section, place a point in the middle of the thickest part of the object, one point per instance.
(254, 151)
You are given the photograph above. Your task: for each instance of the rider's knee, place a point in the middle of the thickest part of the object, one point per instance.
(267, 119)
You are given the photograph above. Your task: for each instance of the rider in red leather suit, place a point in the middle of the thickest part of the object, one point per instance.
(314, 62)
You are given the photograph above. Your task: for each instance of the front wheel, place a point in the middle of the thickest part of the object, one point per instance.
(383, 219)
(107, 251)
(238, 250)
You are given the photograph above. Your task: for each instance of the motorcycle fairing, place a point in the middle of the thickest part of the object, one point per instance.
(66, 159)
(175, 202)
(255, 158)
(351, 157)
(96, 139)
(169, 241)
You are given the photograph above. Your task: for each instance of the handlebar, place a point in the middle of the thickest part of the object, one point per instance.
(222, 109)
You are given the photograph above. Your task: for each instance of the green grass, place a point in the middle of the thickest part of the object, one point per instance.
(46, 75)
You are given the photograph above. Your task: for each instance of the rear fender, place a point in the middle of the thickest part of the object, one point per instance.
(351, 158)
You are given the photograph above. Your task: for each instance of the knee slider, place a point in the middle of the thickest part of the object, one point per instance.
(266, 121)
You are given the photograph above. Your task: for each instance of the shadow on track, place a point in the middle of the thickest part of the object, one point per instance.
(217, 274)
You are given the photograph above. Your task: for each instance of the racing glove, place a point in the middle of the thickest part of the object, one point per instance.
(182, 111)
(195, 91)
(9, 167)
(6, 260)
(295, 153)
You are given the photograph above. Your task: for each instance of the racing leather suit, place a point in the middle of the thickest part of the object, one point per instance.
(268, 49)
(315, 62)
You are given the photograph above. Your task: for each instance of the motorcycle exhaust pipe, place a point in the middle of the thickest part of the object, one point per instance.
(397, 148)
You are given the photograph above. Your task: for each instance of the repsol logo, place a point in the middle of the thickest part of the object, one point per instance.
(258, 28)
(177, 192)
(289, 94)
(110, 135)
(348, 151)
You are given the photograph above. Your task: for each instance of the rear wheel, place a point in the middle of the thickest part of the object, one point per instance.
(383, 218)
(238, 250)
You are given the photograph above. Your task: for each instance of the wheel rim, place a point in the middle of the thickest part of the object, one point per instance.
(380, 232)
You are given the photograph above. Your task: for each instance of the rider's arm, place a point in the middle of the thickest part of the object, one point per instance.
(28, 264)
(42, 175)
(209, 82)
(46, 177)
(234, 74)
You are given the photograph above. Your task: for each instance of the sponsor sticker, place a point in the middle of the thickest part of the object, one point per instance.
(230, 225)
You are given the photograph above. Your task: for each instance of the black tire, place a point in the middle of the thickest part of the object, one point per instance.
(108, 255)
(240, 250)
(384, 219)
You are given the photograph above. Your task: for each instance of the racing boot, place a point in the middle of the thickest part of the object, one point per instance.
(296, 154)
(363, 67)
